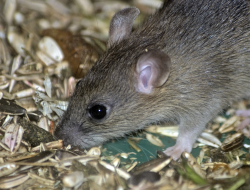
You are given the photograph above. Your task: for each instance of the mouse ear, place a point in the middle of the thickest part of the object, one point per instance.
(152, 71)
(121, 24)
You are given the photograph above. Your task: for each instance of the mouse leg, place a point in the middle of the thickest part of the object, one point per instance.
(185, 140)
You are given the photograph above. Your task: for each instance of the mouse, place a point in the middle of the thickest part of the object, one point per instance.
(183, 64)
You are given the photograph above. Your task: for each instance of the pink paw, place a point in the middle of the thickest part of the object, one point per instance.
(246, 122)
(176, 150)
(243, 113)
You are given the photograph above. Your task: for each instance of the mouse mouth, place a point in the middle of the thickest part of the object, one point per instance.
(76, 138)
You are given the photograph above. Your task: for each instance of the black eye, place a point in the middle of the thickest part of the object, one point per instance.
(98, 112)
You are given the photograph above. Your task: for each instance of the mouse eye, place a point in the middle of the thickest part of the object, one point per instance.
(98, 112)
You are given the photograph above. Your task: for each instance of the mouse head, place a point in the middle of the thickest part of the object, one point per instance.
(119, 93)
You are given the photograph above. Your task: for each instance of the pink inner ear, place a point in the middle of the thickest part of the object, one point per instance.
(144, 78)
(152, 71)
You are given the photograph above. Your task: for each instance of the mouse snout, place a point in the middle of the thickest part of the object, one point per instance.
(76, 134)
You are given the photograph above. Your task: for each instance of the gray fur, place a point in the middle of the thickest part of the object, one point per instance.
(208, 42)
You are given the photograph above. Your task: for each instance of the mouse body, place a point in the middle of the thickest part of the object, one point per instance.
(184, 64)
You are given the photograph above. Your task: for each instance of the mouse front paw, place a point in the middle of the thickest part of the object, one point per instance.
(245, 124)
(176, 150)
(243, 113)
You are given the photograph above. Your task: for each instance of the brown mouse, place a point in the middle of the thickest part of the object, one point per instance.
(184, 64)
